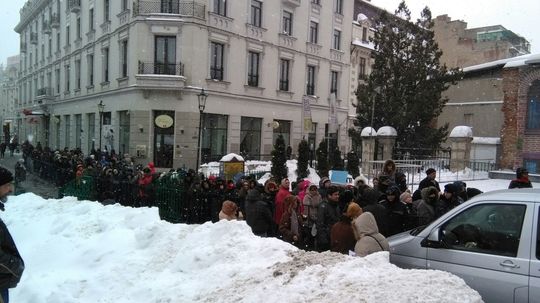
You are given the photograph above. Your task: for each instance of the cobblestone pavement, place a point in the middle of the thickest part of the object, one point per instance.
(33, 183)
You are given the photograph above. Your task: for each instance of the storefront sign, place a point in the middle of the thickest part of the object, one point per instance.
(164, 121)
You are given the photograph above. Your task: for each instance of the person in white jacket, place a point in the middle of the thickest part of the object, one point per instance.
(366, 232)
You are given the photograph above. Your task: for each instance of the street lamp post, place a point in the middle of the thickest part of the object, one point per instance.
(101, 107)
(202, 104)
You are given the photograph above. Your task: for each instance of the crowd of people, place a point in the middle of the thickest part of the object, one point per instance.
(320, 217)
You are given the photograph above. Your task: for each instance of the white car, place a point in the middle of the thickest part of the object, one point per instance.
(491, 241)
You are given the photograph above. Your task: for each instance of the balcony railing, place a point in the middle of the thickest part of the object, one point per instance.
(55, 21)
(74, 5)
(151, 68)
(176, 7)
(33, 38)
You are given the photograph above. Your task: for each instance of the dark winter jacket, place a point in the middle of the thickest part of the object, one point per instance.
(11, 262)
(520, 183)
(444, 205)
(369, 203)
(396, 214)
(427, 182)
(258, 213)
(426, 210)
(327, 215)
(286, 226)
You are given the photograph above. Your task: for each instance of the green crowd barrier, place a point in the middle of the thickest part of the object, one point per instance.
(82, 188)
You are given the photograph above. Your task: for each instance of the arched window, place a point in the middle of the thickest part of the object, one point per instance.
(533, 106)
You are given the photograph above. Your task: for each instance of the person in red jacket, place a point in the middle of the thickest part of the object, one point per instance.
(280, 197)
(145, 179)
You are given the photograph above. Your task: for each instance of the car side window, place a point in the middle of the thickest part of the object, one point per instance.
(486, 228)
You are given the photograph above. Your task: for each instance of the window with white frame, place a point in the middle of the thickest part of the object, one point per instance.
(334, 82)
(67, 76)
(90, 66)
(78, 74)
(220, 7)
(253, 68)
(256, 13)
(284, 74)
(91, 19)
(310, 86)
(124, 58)
(339, 6)
(287, 23)
(336, 43)
(314, 32)
(216, 60)
(105, 58)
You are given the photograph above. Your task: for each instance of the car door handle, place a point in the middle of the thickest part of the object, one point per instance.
(509, 264)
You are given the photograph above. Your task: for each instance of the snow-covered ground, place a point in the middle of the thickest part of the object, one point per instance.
(81, 251)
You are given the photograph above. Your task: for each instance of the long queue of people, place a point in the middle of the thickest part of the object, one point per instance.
(318, 217)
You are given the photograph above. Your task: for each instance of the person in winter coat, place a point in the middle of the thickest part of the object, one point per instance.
(324, 184)
(521, 180)
(327, 215)
(396, 212)
(11, 262)
(291, 221)
(448, 200)
(466, 192)
(389, 169)
(280, 198)
(429, 180)
(311, 202)
(229, 211)
(426, 210)
(342, 235)
(302, 191)
(370, 203)
(368, 238)
(258, 214)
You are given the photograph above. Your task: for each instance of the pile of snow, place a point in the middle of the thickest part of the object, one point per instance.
(81, 251)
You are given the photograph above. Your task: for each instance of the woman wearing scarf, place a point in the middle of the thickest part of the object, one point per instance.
(291, 221)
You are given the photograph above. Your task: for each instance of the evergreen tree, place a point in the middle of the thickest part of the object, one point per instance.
(405, 87)
(322, 159)
(336, 162)
(279, 160)
(303, 158)
(353, 164)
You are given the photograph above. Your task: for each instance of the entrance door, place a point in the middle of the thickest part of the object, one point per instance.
(163, 138)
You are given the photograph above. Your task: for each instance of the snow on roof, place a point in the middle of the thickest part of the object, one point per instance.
(368, 132)
(366, 44)
(506, 63)
(461, 132)
(387, 131)
(486, 140)
(361, 17)
(231, 157)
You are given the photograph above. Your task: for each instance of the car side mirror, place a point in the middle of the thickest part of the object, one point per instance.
(433, 240)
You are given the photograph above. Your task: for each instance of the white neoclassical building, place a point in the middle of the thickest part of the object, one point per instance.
(147, 60)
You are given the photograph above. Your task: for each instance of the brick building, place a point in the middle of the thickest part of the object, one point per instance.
(501, 98)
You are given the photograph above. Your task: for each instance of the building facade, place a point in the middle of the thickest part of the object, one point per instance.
(9, 94)
(464, 46)
(146, 61)
(500, 101)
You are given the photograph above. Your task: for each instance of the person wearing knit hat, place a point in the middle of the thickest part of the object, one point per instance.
(10, 259)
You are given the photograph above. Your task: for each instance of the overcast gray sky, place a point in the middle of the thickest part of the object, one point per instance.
(517, 15)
